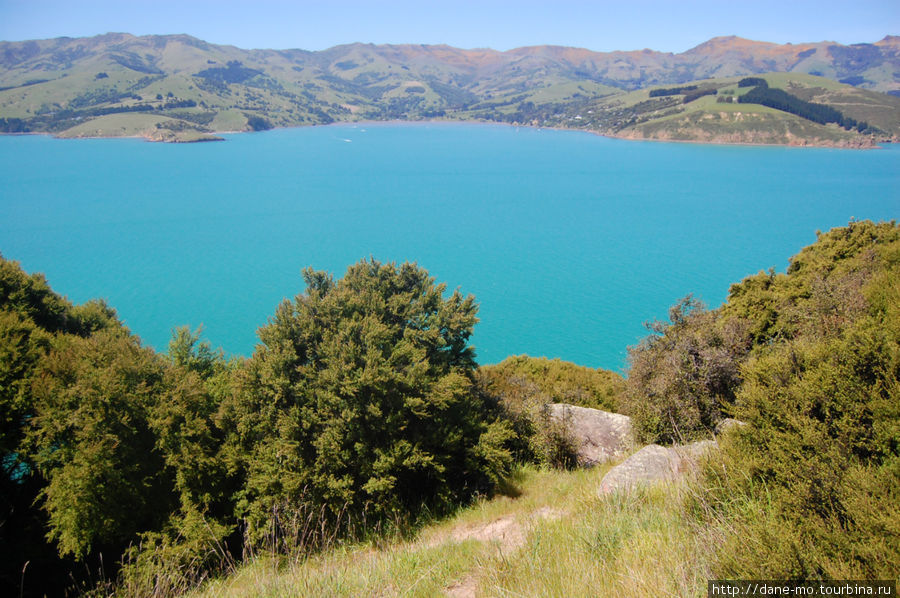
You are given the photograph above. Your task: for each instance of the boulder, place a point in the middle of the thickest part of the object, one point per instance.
(599, 436)
(691, 453)
(654, 464)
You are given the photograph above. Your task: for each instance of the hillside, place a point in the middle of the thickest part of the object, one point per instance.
(712, 111)
(550, 535)
(177, 87)
(361, 450)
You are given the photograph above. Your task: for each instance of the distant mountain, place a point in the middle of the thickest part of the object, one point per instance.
(176, 87)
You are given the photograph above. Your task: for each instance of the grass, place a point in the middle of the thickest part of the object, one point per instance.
(559, 539)
(126, 124)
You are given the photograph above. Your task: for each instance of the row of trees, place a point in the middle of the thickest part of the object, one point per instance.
(782, 100)
(671, 91)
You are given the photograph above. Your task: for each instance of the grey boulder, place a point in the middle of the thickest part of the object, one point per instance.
(599, 436)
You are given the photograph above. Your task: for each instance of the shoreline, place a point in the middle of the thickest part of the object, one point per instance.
(213, 135)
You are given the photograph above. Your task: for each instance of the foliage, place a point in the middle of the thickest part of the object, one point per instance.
(671, 91)
(258, 123)
(525, 386)
(13, 125)
(683, 376)
(696, 95)
(753, 82)
(782, 100)
(560, 381)
(360, 401)
(91, 440)
(233, 72)
(809, 486)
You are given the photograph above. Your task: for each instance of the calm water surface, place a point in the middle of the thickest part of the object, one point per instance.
(569, 241)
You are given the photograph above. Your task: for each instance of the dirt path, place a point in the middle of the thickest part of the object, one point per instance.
(507, 533)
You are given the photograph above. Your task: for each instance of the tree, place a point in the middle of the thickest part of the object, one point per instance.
(91, 440)
(361, 399)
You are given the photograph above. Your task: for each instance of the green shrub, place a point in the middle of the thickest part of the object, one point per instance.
(560, 381)
(810, 487)
(360, 402)
(525, 386)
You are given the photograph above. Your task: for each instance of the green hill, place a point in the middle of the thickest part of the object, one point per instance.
(710, 111)
(177, 87)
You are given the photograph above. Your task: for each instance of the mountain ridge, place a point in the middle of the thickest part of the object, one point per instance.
(60, 85)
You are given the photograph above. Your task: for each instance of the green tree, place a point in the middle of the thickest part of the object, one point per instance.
(361, 399)
(91, 440)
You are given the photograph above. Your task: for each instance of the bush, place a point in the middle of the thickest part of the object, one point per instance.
(682, 377)
(809, 487)
(258, 123)
(561, 382)
(525, 386)
(360, 402)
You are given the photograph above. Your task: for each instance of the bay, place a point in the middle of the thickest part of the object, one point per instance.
(569, 241)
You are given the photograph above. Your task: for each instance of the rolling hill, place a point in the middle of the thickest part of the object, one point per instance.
(177, 87)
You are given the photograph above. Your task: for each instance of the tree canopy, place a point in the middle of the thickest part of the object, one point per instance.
(361, 399)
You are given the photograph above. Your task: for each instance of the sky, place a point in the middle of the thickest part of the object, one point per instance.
(662, 25)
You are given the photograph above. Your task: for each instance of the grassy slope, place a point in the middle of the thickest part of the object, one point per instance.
(555, 538)
(136, 124)
(707, 120)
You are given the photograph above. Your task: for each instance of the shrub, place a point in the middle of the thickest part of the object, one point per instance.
(258, 123)
(561, 382)
(809, 487)
(682, 377)
(360, 401)
(525, 386)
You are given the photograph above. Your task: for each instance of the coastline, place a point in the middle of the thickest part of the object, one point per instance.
(214, 135)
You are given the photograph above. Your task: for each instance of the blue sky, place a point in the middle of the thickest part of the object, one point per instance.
(599, 25)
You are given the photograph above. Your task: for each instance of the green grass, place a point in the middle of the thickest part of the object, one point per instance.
(566, 541)
(127, 124)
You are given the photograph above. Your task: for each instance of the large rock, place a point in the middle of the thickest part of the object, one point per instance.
(654, 464)
(599, 435)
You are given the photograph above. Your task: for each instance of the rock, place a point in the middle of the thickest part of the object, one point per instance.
(695, 450)
(727, 424)
(599, 435)
(653, 464)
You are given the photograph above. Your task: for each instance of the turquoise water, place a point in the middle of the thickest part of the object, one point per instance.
(568, 241)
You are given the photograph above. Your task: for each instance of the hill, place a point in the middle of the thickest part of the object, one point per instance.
(717, 111)
(176, 87)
